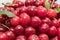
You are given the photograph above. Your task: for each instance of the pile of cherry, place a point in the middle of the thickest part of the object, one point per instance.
(33, 21)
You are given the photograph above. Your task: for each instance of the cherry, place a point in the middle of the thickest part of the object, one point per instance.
(55, 22)
(58, 32)
(35, 21)
(32, 10)
(29, 31)
(33, 37)
(41, 11)
(21, 37)
(46, 20)
(20, 4)
(23, 9)
(43, 37)
(51, 13)
(10, 34)
(15, 21)
(37, 3)
(54, 38)
(44, 28)
(19, 29)
(25, 19)
(52, 31)
(1, 19)
(3, 36)
(12, 29)
(30, 2)
(59, 21)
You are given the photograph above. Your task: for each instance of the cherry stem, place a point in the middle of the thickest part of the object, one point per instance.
(4, 25)
(53, 2)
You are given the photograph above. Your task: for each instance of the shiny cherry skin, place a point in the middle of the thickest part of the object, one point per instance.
(19, 30)
(44, 28)
(58, 32)
(23, 9)
(41, 11)
(29, 31)
(52, 31)
(12, 29)
(3, 36)
(55, 23)
(10, 34)
(33, 37)
(32, 10)
(20, 4)
(1, 19)
(43, 37)
(21, 37)
(54, 38)
(35, 21)
(25, 19)
(51, 13)
(15, 21)
(46, 20)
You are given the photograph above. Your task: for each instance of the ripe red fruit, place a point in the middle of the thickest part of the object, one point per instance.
(23, 9)
(33, 37)
(43, 37)
(3, 36)
(41, 11)
(11, 35)
(46, 20)
(29, 31)
(55, 23)
(35, 21)
(52, 31)
(54, 38)
(32, 10)
(44, 28)
(59, 21)
(21, 37)
(51, 13)
(58, 32)
(30, 2)
(25, 19)
(19, 30)
(15, 21)
(20, 4)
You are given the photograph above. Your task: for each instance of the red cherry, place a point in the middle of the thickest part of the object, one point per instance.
(20, 4)
(21, 37)
(51, 13)
(11, 35)
(43, 37)
(59, 21)
(30, 2)
(35, 21)
(44, 28)
(52, 31)
(29, 31)
(54, 38)
(15, 20)
(46, 20)
(3, 36)
(19, 30)
(33, 37)
(58, 32)
(41, 11)
(25, 19)
(32, 10)
(23, 9)
(55, 23)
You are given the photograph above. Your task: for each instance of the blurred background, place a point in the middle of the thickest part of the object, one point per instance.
(10, 1)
